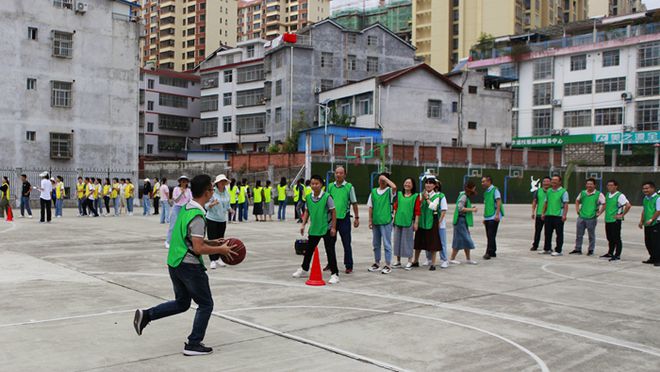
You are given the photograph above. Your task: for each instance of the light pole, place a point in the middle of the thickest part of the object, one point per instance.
(326, 109)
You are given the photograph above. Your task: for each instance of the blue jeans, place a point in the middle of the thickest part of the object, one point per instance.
(97, 206)
(382, 233)
(281, 211)
(242, 211)
(146, 206)
(189, 282)
(245, 210)
(129, 204)
(173, 216)
(344, 230)
(25, 204)
(165, 213)
(81, 207)
(443, 240)
(59, 203)
(116, 202)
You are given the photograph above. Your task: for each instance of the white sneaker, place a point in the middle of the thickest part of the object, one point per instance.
(300, 273)
(214, 265)
(30, 216)
(455, 262)
(386, 270)
(556, 254)
(221, 263)
(397, 265)
(334, 279)
(425, 263)
(444, 265)
(471, 262)
(374, 268)
(408, 266)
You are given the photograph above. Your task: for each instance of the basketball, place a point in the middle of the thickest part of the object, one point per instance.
(239, 249)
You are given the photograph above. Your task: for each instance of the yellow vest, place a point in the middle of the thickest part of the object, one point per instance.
(6, 195)
(106, 190)
(241, 194)
(96, 191)
(268, 193)
(296, 194)
(308, 190)
(80, 187)
(87, 190)
(113, 194)
(129, 190)
(232, 194)
(257, 194)
(59, 190)
(281, 193)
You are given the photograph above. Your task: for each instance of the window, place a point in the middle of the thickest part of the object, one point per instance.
(64, 4)
(173, 122)
(60, 94)
(472, 89)
(579, 62)
(472, 125)
(253, 97)
(351, 63)
(278, 114)
(326, 60)
(326, 85)
(648, 83)
(579, 118)
(250, 51)
(226, 99)
(30, 136)
(611, 85)
(278, 87)
(514, 97)
(228, 76)
(61, 145)
(610, 58)
(648, 115)
(434, 109)
(32, 33)
(150, 127)
(171, 100)
(649, 54)
(609, 116)
(509, 70)
(346, 109)
(542, 122)
(210, 127)
(229, 59)
(226, 124)
(62, 44)
(372, 64)
(278, 60)
(210, 103)
(170, 143)
(31, 84)
(577, 88)
(543, 69)
(210, 80)
(364, 106)
(542, 94)
(173, 82)
(251, 124)
(150, 105)
(250, 73)
(454, 107)
(150, 149)
(352, 38)
(372, 40)
(150, 84)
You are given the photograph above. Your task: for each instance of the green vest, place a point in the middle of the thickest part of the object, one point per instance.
(405, 211)
(257, 194)
(382, 207)
(281, 193)
(541, 195)
(490, 206)
(296, 194)
(468, 215)
(318, 215)
(342, 198)
(268, 192)
(588, 204)
(241, 194)
(612, 207)
(426, 215)
(649, 209)
(232, 194)
(178, 247)
(555, 205)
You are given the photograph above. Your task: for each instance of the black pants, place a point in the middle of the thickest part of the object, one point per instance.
(106, 201)
(329, 243)
(652, 241)
(491, 235)
(45, 210)
(538, 227)
(156, 204)
(91, 208)
(215, 230)
(613, 233)
(553, 223)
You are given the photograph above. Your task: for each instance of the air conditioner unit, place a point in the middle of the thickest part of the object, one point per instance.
(352, 120)
(565, 132)
(81, 7)
(627, 96)
(317, 90)
(556, 103)
(556, 132)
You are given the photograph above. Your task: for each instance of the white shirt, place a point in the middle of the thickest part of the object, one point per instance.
(46, 189)
(443, 207)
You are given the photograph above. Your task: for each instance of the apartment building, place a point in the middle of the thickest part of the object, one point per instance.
(394, 14)
(169, 114)
(71, 85)
(179, 34)
(267, 19)
(443, 31)
(615, 7)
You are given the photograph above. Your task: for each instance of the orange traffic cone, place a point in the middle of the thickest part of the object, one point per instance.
(10, 215)
(316, 276)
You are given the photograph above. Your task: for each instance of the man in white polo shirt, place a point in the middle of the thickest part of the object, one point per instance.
(46, 191)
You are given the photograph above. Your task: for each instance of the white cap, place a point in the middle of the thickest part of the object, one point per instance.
(183, 178)
(220, 177)
(146, 180)
(43, 174)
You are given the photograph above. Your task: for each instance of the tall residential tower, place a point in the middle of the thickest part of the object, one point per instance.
(266, 19)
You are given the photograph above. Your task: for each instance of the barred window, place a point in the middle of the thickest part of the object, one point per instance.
(610, 58)
(62, 44)
(173, 82)
(579, 62)
(372, 64)
(648, 115)
(542, 122)
(577, 88)
(326, 60)
(326, 85)
(251, 124)
(210, 127)
(543, 69)
(172, 122)
(60, 94)
(609, 116)
(208, 103)
(649, 54)
(228, 76)
(542, 94)
(209, 80)
(61, 145)
(64, 4)
(171, 143)
(509, 70)
(648, 83)
(351, 63)
(226, 99)
(579, 118)
(278, 87)
(171, 100)
(434, 109)
(251, 97)
(226, 124)
(372, 40)
(278, 114)
(611, 85)
(250, 73)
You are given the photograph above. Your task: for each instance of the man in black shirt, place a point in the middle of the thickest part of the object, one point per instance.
(25, 197)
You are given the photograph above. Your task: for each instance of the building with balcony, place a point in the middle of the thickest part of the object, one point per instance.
(394, 14)
(599, 8)
(267, 19)
(169, 114)
(179, 34)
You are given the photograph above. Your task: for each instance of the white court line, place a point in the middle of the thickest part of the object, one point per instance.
(443, 305)
(109, 312)
(536, 358)
(12, 226)
(608, 284)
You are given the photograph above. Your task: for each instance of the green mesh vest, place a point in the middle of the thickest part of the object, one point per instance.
(318, 215)
(612, 207)
(405, 211)
(649, 209)
(427, 215)
(555, 205)
(468, 215)
(382, 207)
(490, 205)
(178, 247)
(589, 204)
(342, 198)
(541, 195)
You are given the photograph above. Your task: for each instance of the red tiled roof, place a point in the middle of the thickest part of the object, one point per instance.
(391, 76)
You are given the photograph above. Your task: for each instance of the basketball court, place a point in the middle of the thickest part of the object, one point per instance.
(70, 289)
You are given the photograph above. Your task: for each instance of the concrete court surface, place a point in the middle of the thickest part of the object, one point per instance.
(69, 290)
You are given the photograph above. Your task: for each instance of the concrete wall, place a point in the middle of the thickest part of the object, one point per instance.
(104, 71)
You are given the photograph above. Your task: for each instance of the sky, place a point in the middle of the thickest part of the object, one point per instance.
(652, 4)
